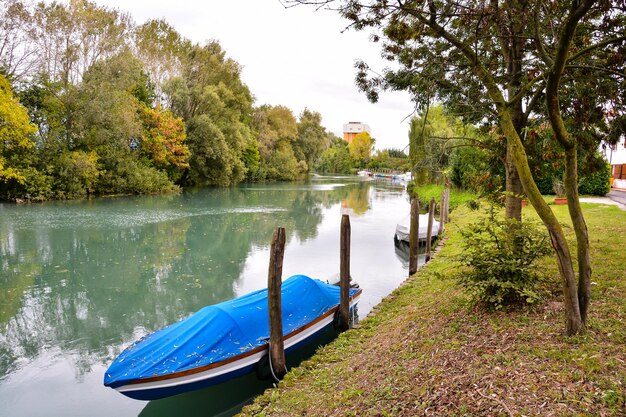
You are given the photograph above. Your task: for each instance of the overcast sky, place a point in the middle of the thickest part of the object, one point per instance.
(296, 57)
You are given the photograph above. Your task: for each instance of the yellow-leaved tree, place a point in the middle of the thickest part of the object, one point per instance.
(15, 132)
(360, 148)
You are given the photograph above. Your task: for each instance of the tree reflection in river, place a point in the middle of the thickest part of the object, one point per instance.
(87, 276)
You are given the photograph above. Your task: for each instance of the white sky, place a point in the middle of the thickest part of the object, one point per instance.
(296, 57)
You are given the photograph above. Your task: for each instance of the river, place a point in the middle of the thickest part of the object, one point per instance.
(81, 280)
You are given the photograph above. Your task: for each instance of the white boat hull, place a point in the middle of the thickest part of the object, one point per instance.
(403, 228)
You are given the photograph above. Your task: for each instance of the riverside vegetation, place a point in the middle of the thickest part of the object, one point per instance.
(93, 104)
(428, 350)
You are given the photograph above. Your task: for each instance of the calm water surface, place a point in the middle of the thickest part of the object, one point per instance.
(79, 281)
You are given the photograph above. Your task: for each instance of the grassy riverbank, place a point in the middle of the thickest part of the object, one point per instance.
(426, 351)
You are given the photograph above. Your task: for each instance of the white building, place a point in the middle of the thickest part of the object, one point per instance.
(616, 156)
(351, 129)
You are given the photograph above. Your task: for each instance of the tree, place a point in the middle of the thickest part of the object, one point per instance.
(336, 160)
(48, 110)
(430, 135)
(16, 51)
(108, 104)
(108, 122)
(212, 161)
(251, 159)
(161, 49)
(439, 142)
(490, 60)
(276, 131)
(58, 40)
(390, 159)
(311, 140)
(15, 134)
(361, 148)
(217, 108)
(163, 140)
(472, 168)
(71, 38)
(77, 174)
(396, 153)
(125, 109)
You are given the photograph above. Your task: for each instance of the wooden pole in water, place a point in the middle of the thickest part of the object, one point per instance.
(429, 232)
(344, 274)
(414, 235)
(274, 303)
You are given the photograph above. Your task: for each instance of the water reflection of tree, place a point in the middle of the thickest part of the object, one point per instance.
(358, 199)
(91, 288)
(15, 279)
(136, 264)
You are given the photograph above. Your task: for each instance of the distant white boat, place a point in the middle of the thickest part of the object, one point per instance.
(407, 176)
(403, 228)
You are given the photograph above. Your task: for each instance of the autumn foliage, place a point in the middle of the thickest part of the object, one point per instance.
(163, 138)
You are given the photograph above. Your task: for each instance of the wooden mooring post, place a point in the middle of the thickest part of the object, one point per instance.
(429, 231)
(414, 236)
(274, 303)
(344, 274)
(442, 216)
(447, 205)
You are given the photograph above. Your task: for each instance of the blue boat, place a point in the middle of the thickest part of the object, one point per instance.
(222, 341)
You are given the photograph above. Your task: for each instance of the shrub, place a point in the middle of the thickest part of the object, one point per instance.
(597, 183)
(470, 169)
(34, 186)
(77, 173)
(545, 185)
(558, 187)
(500, 255)
(473, 205)
(131, 177)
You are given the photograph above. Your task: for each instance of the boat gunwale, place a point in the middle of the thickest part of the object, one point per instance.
(244, 355)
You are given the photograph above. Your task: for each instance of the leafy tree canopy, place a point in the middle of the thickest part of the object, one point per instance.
(125, 108)
(361, 148)
(312, 137)
(15, 133)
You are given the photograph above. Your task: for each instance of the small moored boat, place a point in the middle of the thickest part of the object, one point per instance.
(404, 227)
(222, 341)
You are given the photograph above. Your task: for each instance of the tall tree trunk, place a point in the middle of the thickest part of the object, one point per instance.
(577, 12)
(576, 298)
(580, 228)
(573, 320)
(513, 202)
(513, 48)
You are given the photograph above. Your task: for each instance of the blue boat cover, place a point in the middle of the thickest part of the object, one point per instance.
(221, 331)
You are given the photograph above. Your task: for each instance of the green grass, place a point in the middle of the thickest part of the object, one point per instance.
(428, 351)
(428, 191)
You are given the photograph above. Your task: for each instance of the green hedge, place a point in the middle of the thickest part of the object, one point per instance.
(597, 183)
(545, 185)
